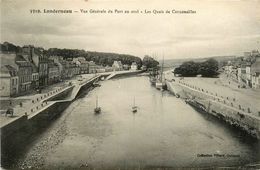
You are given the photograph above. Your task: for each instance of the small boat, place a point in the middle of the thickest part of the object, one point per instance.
(153, 80)
(160, 82)
(153, 76)
(158, 85)
(96, 84)
(97, 110)
(134, 107)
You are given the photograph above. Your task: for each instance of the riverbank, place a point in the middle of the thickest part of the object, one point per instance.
(218, 103)
(38, 112)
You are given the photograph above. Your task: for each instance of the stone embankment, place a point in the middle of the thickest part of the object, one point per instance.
(226, 109)
(34, 116)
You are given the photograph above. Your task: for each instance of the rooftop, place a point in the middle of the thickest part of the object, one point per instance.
(8, 59)
(8, 71)
(255, 67)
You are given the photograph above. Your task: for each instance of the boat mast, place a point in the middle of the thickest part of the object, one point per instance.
(162, 68)
(96, 102)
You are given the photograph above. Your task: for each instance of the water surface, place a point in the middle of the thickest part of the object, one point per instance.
(165, 132)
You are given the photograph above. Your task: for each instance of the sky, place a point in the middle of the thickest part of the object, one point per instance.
(219, 27)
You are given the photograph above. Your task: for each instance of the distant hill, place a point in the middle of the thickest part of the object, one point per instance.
(9, 47)
(100, 58)
(177, 62)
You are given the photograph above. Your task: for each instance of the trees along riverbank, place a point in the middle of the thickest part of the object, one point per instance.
(208, 68)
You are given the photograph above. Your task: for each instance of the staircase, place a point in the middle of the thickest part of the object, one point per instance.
(110, 76)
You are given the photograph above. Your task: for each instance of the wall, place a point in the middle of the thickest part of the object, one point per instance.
(14, 87)
(62, 95)
(219, 108)
(5, 87)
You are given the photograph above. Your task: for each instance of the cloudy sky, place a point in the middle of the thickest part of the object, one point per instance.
(219, 27)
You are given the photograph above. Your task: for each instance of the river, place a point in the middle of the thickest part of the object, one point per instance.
(165, 132)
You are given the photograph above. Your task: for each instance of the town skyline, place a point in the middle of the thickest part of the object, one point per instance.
(217, 28)
(154, 55)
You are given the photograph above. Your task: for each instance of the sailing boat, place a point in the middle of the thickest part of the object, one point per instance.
(159, 82)
(153, 75)
(97, 109)
(134, 107)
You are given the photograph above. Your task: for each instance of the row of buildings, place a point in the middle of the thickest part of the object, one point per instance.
(245, 70)
(30, 69)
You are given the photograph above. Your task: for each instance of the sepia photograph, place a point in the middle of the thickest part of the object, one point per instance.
(130, 84)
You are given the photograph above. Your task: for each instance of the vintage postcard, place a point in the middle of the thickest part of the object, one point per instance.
(130, 84)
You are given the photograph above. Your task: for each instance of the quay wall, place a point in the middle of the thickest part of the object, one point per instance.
(17, 135)
(85, 86)
(217, 106)
(21, 121)
(122, 74)
(62, 95)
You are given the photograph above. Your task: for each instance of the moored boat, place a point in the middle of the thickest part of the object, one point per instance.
(134, 107)
(97, 110)
(158, 85)
(96, 84)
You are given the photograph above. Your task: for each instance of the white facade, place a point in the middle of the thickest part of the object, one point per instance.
(9, 83)
(256, 80)
(117, 66)
(134, 66)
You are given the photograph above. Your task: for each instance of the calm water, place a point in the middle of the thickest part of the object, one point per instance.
(165, 132)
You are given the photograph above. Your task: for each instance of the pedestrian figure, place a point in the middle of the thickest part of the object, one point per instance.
(21, 104)
(7, 112)
(10, 112)
(10, 103)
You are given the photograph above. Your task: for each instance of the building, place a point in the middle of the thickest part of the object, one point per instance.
(248, 76)
(134, 66)
(144, 68)
(53, 72)
(255, 73)
(23, 68)
(117, 66)
(100, 70)
(256, 80)
(58, 61)
(36, 56)
(65, 73)
(83, 64)
(241, 74)
(108, 69)
(9, 81)
(255, 53)
(126, 67)
(35, 77)
(247, 54)
(74, 69)
(24, 74)
(93, 67)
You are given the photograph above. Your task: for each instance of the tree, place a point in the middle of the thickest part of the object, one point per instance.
(208, 68)
(189, 69)
(149, 62)
(98, 57)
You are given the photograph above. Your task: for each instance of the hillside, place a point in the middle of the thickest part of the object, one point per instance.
(100, 58)
(177, 62)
